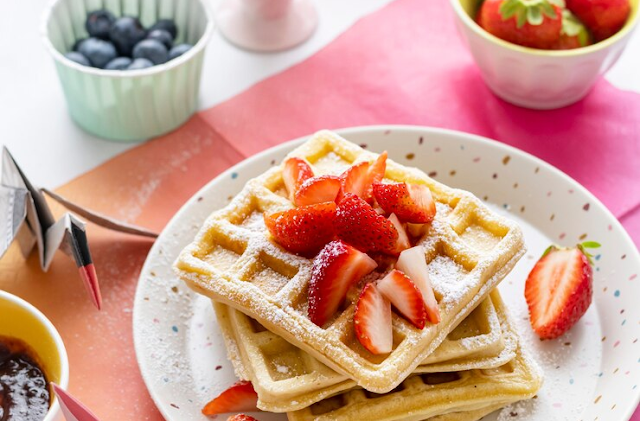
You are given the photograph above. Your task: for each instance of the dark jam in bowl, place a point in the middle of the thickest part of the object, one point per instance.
(24, 391)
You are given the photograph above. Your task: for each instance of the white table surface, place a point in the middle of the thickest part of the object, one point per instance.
(38, 131)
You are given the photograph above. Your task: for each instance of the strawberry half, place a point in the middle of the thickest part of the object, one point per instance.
(239, 397)
(372, 321)
(359, 178)
(355, 179)
(410, 202)
(359, 224)
(305, 229)
(414, 264)
(405, 297)
(295, 172)
(318, 190)
(241, 417)
(559, 290)
(403, 239)
(335, 269)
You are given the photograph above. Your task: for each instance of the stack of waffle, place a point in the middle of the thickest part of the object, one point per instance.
(466, 366)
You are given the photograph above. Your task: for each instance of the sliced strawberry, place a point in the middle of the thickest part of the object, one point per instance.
(295, 172)
(410, 202)
(335, 269)
(358, 224)
(239, 397)
(417, 230)
(558, 290)
(305, 229)
(376, 174)
(241, 417)
(403, 239)
(355, 179)
(414, 264)
(405, 297)
(372, 321)
(320, 189)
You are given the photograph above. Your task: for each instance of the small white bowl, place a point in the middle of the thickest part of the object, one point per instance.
(134, 104)
(533, 78)
(21, 320)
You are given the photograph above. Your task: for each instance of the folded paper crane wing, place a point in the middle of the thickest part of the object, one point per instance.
(25, 217)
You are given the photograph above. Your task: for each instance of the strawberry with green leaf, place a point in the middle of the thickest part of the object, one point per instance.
(603, 17)
(530, 23)
(559, 289)
(574, 33)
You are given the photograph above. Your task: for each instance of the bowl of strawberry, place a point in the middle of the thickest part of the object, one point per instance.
(129, 70)
(545, 54)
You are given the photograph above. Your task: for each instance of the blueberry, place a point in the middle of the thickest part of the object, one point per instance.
(118, 63)
(125, 33)
(140, 63)
(179, 50)
(98, 51)
(78, 58)
(152, 50)
(168, 25)
(99, 22)
(76, 45)
(162, 36)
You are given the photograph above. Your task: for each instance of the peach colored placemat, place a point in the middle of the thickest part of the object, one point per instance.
(403, 65)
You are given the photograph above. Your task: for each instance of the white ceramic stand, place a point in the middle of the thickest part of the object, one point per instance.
(266, 25)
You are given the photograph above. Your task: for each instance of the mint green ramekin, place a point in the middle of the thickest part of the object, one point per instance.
(129, 105)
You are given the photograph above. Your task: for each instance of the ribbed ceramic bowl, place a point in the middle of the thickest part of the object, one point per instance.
(539, 79)
(137, 104)
(21, 320)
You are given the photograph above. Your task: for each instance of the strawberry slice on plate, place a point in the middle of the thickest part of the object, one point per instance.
(359, 224)
(414, 264)
(559, 289)
(410, 202)
(355, 179)
(335, 269)
(320, 189)
(305, 229)
(405, 297)
(359, 178)
(241, 417)
(295, 172)
(239, 397)
(403, 239)
(372, 321)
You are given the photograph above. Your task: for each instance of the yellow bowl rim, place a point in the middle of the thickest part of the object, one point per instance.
(62, 351)
(626, 29)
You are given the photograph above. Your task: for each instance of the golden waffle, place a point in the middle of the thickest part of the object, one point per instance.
(288, 379)
(469, 249)
(428, 395)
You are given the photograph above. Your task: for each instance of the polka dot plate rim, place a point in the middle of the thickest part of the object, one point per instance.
(591, 371)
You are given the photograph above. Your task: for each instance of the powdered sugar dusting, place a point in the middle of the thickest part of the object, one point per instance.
(447, 278)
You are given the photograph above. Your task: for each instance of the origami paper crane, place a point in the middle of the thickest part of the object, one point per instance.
(25, 217)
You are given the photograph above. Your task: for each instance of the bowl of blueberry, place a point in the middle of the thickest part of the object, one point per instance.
(131, 69)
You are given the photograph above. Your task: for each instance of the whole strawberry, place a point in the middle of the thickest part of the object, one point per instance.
(559, 289)
(603, 17)
(574, 33)
(530, 23)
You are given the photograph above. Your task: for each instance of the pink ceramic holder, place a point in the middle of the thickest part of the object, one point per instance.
(267, 25)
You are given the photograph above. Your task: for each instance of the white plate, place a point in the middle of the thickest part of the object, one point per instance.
(590, 373)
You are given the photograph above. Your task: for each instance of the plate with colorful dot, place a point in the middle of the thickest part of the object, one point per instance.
(591, 373)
